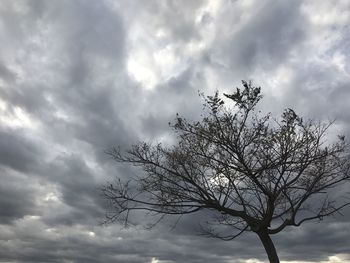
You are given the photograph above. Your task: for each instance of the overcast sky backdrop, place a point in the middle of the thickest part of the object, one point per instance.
(80, 76)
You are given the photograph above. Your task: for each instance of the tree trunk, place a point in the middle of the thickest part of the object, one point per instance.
(269, 246)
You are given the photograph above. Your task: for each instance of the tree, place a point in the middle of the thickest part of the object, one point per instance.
(253, 172)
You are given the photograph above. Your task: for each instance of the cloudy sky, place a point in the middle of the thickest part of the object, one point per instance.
(80, 76)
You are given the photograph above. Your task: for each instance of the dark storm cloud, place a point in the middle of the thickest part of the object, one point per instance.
(85, 35)
(302, 244)
(261, 37)
(16, 198)
(178, 95)
(66, 66)
(18, 152)
(78, 190)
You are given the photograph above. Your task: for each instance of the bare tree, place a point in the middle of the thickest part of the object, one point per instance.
(254, 172)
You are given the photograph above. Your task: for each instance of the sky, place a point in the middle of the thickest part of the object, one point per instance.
(80, 76)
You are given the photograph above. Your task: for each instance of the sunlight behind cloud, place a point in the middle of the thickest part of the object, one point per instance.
(140, 68)
(253, 261)
(91, 234)
(16, 118)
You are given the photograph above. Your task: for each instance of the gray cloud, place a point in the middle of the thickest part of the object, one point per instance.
(18, 152)
(78, 77)
(16, 199)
